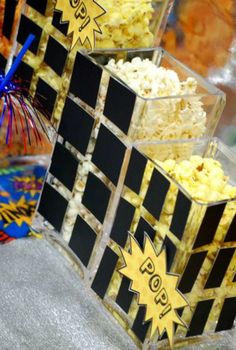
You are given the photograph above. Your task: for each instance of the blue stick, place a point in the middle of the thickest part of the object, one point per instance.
(17, 62)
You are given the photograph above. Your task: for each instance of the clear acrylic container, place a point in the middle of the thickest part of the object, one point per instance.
(187, 115)
(88, 142)
(49, 78)
(199, 238)
(81, 139)
(124, 25)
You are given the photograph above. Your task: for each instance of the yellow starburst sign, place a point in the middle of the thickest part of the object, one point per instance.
(82, 19)
(156, 288)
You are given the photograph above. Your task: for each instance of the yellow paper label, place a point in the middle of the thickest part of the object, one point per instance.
(156, 288)
(82, 19)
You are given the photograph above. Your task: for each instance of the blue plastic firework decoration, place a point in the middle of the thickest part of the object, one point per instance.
(20, 113)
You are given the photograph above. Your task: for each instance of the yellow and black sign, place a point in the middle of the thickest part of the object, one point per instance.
(82, 18)
(156, 288)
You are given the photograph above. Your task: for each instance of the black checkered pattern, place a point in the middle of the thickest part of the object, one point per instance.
(138, 218)
(119, 105)
(67, 83)
(89, 155)
(83, 139)
(55, 69)
(48, 57)
(71, 153)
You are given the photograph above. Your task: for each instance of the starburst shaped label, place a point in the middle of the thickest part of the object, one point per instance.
(82, 19)
(155, 287)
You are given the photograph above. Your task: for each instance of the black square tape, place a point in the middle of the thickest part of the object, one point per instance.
(52, 206)
(55, 56)
(105, 272)
(96, 197)
(227, 315)
(119, 105)
(82, 240)
(85, 80)
(3, 62)
(38, 5)
(142, 228)
(28, 27)
(122, 222)
(135, 172)
(56, 22)
(9, 14)
(140, 328)
(180, 216)
(191, 272)
(200, 318)
(25, 72)
(46, 95)
(109, 154)
(209, 225)
(156, 194)
(76, 126)
(170, 251)
(231, 234)
(125, 296)
(220, 268)
(64, 166)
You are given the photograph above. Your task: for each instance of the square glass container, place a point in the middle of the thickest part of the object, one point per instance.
(198, 236)
(101, 110)
(100, 119)
(178, 113)
(49, 78)
(88, 142)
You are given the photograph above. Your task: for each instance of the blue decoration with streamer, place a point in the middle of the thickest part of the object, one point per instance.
(20, 112)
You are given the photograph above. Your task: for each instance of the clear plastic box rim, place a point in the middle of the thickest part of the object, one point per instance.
(158, 53)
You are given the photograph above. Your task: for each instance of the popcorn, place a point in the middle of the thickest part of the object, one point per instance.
(182, 117)
(202, 178)
(125, 24)
(205, 181)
